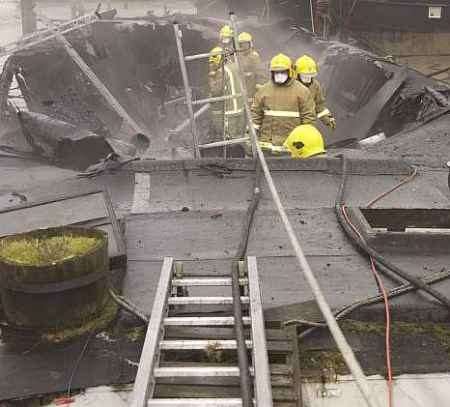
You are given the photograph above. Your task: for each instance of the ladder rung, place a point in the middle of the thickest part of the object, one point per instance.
(202, 321)
(199, 371)
(205, 300)
(201, 402)
(206, 281)
(189, 58)
(216, 99)
(210, 345)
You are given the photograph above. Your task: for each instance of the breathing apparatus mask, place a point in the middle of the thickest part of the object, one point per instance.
(280, 77)
(226, 40)
(245, 46)
(306, 79)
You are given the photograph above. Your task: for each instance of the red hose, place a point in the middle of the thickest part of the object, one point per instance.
(63, 401)
(388, 334)
(388, 315)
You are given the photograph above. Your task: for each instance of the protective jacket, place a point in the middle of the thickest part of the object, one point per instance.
(253, 70)
(277, 110)
(216, 78)
(319, 99)
(227, 118)
(235, 123)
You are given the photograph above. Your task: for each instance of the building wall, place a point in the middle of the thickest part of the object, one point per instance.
(426, 52)
(412, 16)
(409, 43)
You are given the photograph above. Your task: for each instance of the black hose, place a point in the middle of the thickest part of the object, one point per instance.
(348, 309)
(241, 346)
(384, 265)
(245, 382)
(246, 227)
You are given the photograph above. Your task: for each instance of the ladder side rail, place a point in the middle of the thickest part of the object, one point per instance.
(217, 99)
(244, 377)
(144, 382)
(79, 21)
(190, 58)
(241, 140)
(48, 34)
(262, 383)
(187, 89)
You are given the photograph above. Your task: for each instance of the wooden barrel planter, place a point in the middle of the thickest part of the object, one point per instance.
(55, 279)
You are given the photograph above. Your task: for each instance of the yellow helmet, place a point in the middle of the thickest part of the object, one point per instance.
(245, 37)
(305, 65)
(305, 141)
(281, 62)
(216, 59)
(226, 32)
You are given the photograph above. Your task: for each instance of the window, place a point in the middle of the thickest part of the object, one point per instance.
(435, 12)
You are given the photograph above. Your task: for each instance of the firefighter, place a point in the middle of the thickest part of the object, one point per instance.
(305, 141)
(235, 118)
(227, 117)
(216, 89)
(281, 104)
(306, 70)
(226, 38)
(251, 64)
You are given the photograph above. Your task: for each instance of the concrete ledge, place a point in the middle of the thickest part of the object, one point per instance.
(360, 165)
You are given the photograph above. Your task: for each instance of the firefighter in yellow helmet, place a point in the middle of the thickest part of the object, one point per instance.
(251, 63)
(226, 37)
(215, 81)
(306, 70)
(305, 141)
(281, 104)
(216, 88)
(227, 117)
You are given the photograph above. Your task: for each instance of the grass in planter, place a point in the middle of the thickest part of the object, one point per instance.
(45, 250)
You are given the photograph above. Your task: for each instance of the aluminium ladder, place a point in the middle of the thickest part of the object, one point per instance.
(40, 36)
(188, 89)
(154, 369)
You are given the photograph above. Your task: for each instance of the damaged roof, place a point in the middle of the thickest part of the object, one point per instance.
(195, 209)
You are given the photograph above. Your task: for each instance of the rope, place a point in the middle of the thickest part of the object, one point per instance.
(341, 341)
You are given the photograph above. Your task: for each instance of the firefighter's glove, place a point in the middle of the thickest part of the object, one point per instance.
(332, 123)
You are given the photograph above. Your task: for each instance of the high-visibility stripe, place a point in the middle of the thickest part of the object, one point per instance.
(234, 112)
(233, 88)
(323, 113)
(281, 113)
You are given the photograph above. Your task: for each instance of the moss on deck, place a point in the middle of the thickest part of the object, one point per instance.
(316, 361)
(46, 250)
(94, 324)
(439, 331)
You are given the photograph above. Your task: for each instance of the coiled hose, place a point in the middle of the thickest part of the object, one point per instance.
(382, 264)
